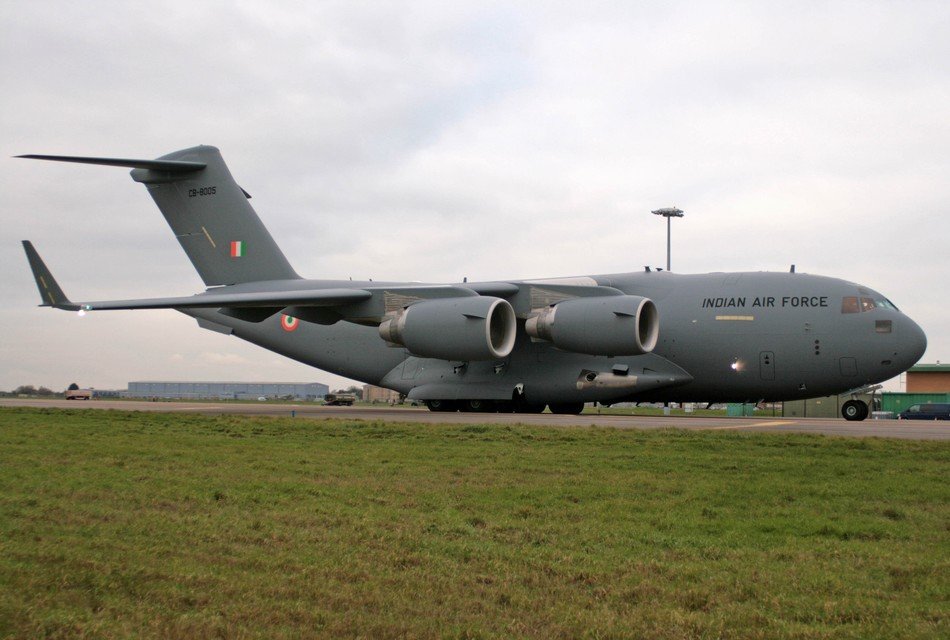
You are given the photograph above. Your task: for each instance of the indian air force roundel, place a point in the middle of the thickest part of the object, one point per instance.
(289, 323)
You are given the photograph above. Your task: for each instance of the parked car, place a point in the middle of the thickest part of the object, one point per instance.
(931, 411)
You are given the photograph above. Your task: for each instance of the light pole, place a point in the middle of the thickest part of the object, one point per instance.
(668, 212)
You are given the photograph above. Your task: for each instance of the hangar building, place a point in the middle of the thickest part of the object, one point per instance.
(227, 390)
(380, 395)
(928, 378)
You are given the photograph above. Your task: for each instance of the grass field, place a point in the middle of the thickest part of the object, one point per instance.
(128, 525)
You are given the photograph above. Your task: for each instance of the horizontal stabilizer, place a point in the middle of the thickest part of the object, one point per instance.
(173, 166)
(50, 291)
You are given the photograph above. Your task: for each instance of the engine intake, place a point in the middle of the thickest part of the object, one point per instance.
(470, 328)
(603, 326)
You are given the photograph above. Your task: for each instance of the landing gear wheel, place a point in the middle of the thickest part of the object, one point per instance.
(442, 405)
(854, 410)
(478, 406)
(572, 408)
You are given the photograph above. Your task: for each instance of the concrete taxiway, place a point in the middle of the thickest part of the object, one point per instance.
(907, 429)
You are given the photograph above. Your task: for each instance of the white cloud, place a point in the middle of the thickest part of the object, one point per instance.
(222, 358)
(431, 141)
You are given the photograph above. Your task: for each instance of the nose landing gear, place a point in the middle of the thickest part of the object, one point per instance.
(854, 410)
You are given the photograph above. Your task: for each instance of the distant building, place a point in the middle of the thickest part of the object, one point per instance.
(928, 378)
(380, 395)
(227, 390)
(107, 393)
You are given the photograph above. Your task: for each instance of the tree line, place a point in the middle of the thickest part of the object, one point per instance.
(30, 390)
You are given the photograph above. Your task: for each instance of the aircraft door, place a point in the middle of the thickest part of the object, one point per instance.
(848, 366)
(767, 365)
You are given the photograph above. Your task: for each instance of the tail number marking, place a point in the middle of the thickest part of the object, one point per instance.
(203, 191)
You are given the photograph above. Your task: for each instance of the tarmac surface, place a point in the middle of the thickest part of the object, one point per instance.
(907, 429)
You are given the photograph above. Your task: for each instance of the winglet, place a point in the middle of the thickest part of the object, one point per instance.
(50, 292)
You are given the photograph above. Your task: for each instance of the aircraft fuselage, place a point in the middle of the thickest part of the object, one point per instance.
(722, 337)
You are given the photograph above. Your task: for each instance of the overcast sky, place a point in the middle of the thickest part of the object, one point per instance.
(437, 140)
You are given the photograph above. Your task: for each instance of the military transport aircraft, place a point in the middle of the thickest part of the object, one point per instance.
(517, 345)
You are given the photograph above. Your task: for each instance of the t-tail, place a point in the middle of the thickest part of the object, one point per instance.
(208, 212)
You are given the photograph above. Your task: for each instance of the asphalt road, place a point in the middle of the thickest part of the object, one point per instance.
(908, 429)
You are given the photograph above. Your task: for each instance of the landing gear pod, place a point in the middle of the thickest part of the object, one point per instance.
(605, 326)
(475, 328)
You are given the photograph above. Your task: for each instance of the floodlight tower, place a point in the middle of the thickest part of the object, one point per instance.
(668, 212)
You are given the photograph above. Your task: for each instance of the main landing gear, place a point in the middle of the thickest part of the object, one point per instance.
(854, 410)
(570, 408)
(495, 406)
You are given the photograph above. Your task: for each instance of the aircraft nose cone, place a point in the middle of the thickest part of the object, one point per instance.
(915, 341)
(910, 345)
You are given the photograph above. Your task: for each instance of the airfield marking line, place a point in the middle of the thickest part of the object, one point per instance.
(773, 423)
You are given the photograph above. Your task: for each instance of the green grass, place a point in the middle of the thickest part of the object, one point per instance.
(121, 525)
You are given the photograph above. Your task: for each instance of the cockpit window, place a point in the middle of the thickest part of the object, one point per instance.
(849, 304)
(887, 304)
(854, 304)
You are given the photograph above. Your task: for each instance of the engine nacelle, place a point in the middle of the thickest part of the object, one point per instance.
(470, 328)
(602, 326)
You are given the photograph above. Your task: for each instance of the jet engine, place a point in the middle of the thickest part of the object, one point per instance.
(470, 328)
(602, 326)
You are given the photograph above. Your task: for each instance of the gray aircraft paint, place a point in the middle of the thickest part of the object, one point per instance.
(722, 336)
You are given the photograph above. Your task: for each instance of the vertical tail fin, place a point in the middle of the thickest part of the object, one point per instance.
(212, 219)
(209, 213)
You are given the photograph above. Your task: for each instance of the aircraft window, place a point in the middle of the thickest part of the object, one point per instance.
(885, 304)
(849, 304)
(882, 326)
(867, 304)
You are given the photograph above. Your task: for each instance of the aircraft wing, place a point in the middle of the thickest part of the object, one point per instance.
(53, 296)
(366, 304)
(275, 299)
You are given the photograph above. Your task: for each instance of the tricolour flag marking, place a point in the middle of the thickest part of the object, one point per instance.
(237, 248)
